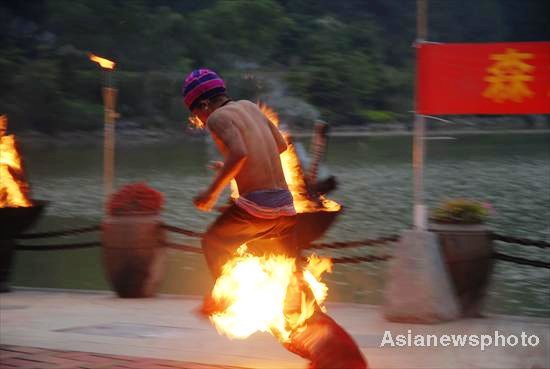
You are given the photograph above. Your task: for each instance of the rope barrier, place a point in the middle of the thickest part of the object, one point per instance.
(349, 244)
(182, 247)
(315, 246)
(72, 246)
(522, 261)
(361, 259)
(520, 241)
(343, 260)
(181, 231)
(67, 232)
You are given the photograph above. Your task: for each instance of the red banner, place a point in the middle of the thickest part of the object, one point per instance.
(495, 78)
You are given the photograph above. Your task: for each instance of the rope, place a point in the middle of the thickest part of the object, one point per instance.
(317, 246)
(520, 241)
(181, 231)
(72, 246)
(522, 261)
(67, 232)
(334, 245)
(343, 260)
(349, 244)
(361, 259)
(188, 248)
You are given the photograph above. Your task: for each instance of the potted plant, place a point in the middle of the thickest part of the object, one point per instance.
(132, 239)
(467, 248)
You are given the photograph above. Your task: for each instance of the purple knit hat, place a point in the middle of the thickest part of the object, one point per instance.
(201, 84)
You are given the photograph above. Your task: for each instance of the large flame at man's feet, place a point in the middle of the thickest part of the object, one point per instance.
(267, 294)
(13, 187)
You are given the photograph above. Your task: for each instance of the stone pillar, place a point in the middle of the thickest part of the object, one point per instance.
(418, 288)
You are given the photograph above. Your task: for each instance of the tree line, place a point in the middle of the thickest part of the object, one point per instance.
(350, 62)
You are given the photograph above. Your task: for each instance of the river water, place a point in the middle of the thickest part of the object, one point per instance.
(509, 171)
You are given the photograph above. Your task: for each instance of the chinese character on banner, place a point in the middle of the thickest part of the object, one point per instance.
(483, 78)
(509, 76)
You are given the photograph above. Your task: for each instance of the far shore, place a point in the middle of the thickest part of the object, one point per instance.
(430, 133)
(139, 136)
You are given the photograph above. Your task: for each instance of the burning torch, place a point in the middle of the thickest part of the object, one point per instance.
(110, 115)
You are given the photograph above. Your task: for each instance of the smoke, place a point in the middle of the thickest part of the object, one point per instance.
(293, 110)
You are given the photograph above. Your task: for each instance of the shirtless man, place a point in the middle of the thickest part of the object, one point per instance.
(263, 216)
(251, 146)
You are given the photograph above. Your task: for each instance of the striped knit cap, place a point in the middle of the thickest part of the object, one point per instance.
(201, 84)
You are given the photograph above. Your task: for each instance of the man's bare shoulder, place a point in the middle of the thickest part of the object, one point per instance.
(220, 116)
(226, 115)
(248, 103)
(243, 104)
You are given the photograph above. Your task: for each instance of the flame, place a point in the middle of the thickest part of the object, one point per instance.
(13, 189)
(196, 122)
(103, 63)
(263, 294)
(294, 173)
(234, 190)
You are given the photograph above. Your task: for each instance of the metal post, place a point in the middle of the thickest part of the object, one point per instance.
(420, 213)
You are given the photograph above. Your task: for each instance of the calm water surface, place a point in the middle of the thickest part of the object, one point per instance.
(511, 172)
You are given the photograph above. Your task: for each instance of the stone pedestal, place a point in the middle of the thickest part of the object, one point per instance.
(7, 253)
(418, 288)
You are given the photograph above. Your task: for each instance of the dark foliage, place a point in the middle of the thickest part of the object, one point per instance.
(352, 59)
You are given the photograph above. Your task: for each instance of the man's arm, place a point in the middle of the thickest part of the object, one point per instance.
(281, 144)
(228, 137)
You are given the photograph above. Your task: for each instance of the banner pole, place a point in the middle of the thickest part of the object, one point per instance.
(419, 212)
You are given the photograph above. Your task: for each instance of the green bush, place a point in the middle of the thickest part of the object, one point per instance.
(158, 90)
(377, 116)
(130, 94)
(81, 115)
(36, 93)
(460, 211)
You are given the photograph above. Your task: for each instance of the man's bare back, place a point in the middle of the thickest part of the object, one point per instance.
(241, 126)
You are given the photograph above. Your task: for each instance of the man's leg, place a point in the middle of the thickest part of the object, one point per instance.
(326, 344)
(280, 239)
(232, 229)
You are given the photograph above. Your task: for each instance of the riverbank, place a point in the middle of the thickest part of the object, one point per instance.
(141, 136)
(165, 328)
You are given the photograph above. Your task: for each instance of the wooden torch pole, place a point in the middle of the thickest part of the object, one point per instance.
(109, 101)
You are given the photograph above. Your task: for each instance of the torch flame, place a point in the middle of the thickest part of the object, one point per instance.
(103, 63)
(13, 188)
(256, 289)
(294, 173)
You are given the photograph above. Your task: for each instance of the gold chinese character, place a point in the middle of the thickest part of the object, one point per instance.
(509, 76)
